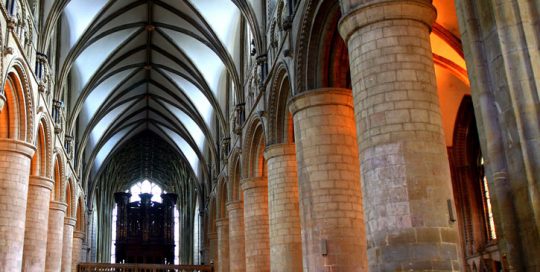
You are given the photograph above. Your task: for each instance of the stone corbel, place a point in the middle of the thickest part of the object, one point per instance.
(287, 23)
(261, 62)
(7, 50)
(2, 99)
(239, 118)
(69, 145)
(57, 116)
(225, 145)
(42, 88)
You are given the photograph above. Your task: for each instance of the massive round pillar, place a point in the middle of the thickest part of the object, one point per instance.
(404, 164)
(237, 260)
(285, 238)
(223, 244)
(67, 248)
(333, 235)
(213, 250)
(37, 221)
(55, 236)
(15, 157)
(76, 256)
(256, 224)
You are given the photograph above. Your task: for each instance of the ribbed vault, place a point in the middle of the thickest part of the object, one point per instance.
(145, 156)
(147, 86)
(165, 66)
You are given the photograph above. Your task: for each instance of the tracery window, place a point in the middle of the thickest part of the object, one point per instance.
(145, 187)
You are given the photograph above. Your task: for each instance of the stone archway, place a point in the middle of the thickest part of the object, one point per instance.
(255, 189)
(16, 150)
(39, 197)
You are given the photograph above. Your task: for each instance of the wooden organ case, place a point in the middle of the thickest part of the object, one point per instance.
(145, 229)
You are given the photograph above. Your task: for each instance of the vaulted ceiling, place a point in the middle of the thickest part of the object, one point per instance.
(170, 67)
(130, 66)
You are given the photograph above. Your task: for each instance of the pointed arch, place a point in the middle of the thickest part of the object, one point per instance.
(43, 140)
(254, 143)
(18, 111)
(80, 214)
(70, 197)
(58, 177)
(280, 128)
(322, 56)
(234, 190)
(222, 198)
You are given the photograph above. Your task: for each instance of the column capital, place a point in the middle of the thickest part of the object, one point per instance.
(43, 182)
(70, 221)
(277, 150)
(16, 146)
(320, 97)
(235, 205)
(378, 11)
(253, 182)
(79, 234)
(58, 205)
(222, 222)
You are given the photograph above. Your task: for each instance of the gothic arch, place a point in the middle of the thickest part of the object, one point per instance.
(322, 56)
(469, 192)
(222, 198)
(80, 213)
(279, 118)
(58, 177)
(254, 143)
(234, 190)
(18, 111)
(42, 160)
(70, 197)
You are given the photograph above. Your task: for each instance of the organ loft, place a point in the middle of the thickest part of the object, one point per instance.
(144, 229)
(269, 135)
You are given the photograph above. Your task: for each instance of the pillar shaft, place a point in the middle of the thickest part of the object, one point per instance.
(37, 221)
(223, 244)
(55, 236)
(15, 157)
(256, 224)
(67, 248)
(237, 256)
(212, 249)
(284, 216)
(507, 109)
(76, 256)
(404, 164)
(333, 235)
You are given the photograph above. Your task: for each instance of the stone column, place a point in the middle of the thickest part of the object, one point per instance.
(256, 224)
(405, 172)
(333, 233)
(502, 39)
(15, 158)
(76, 256)
(67, 249)
(57, 211)
(285, 238)
(237, 256)
(37, 220)
(223, 244)
(212, 249)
